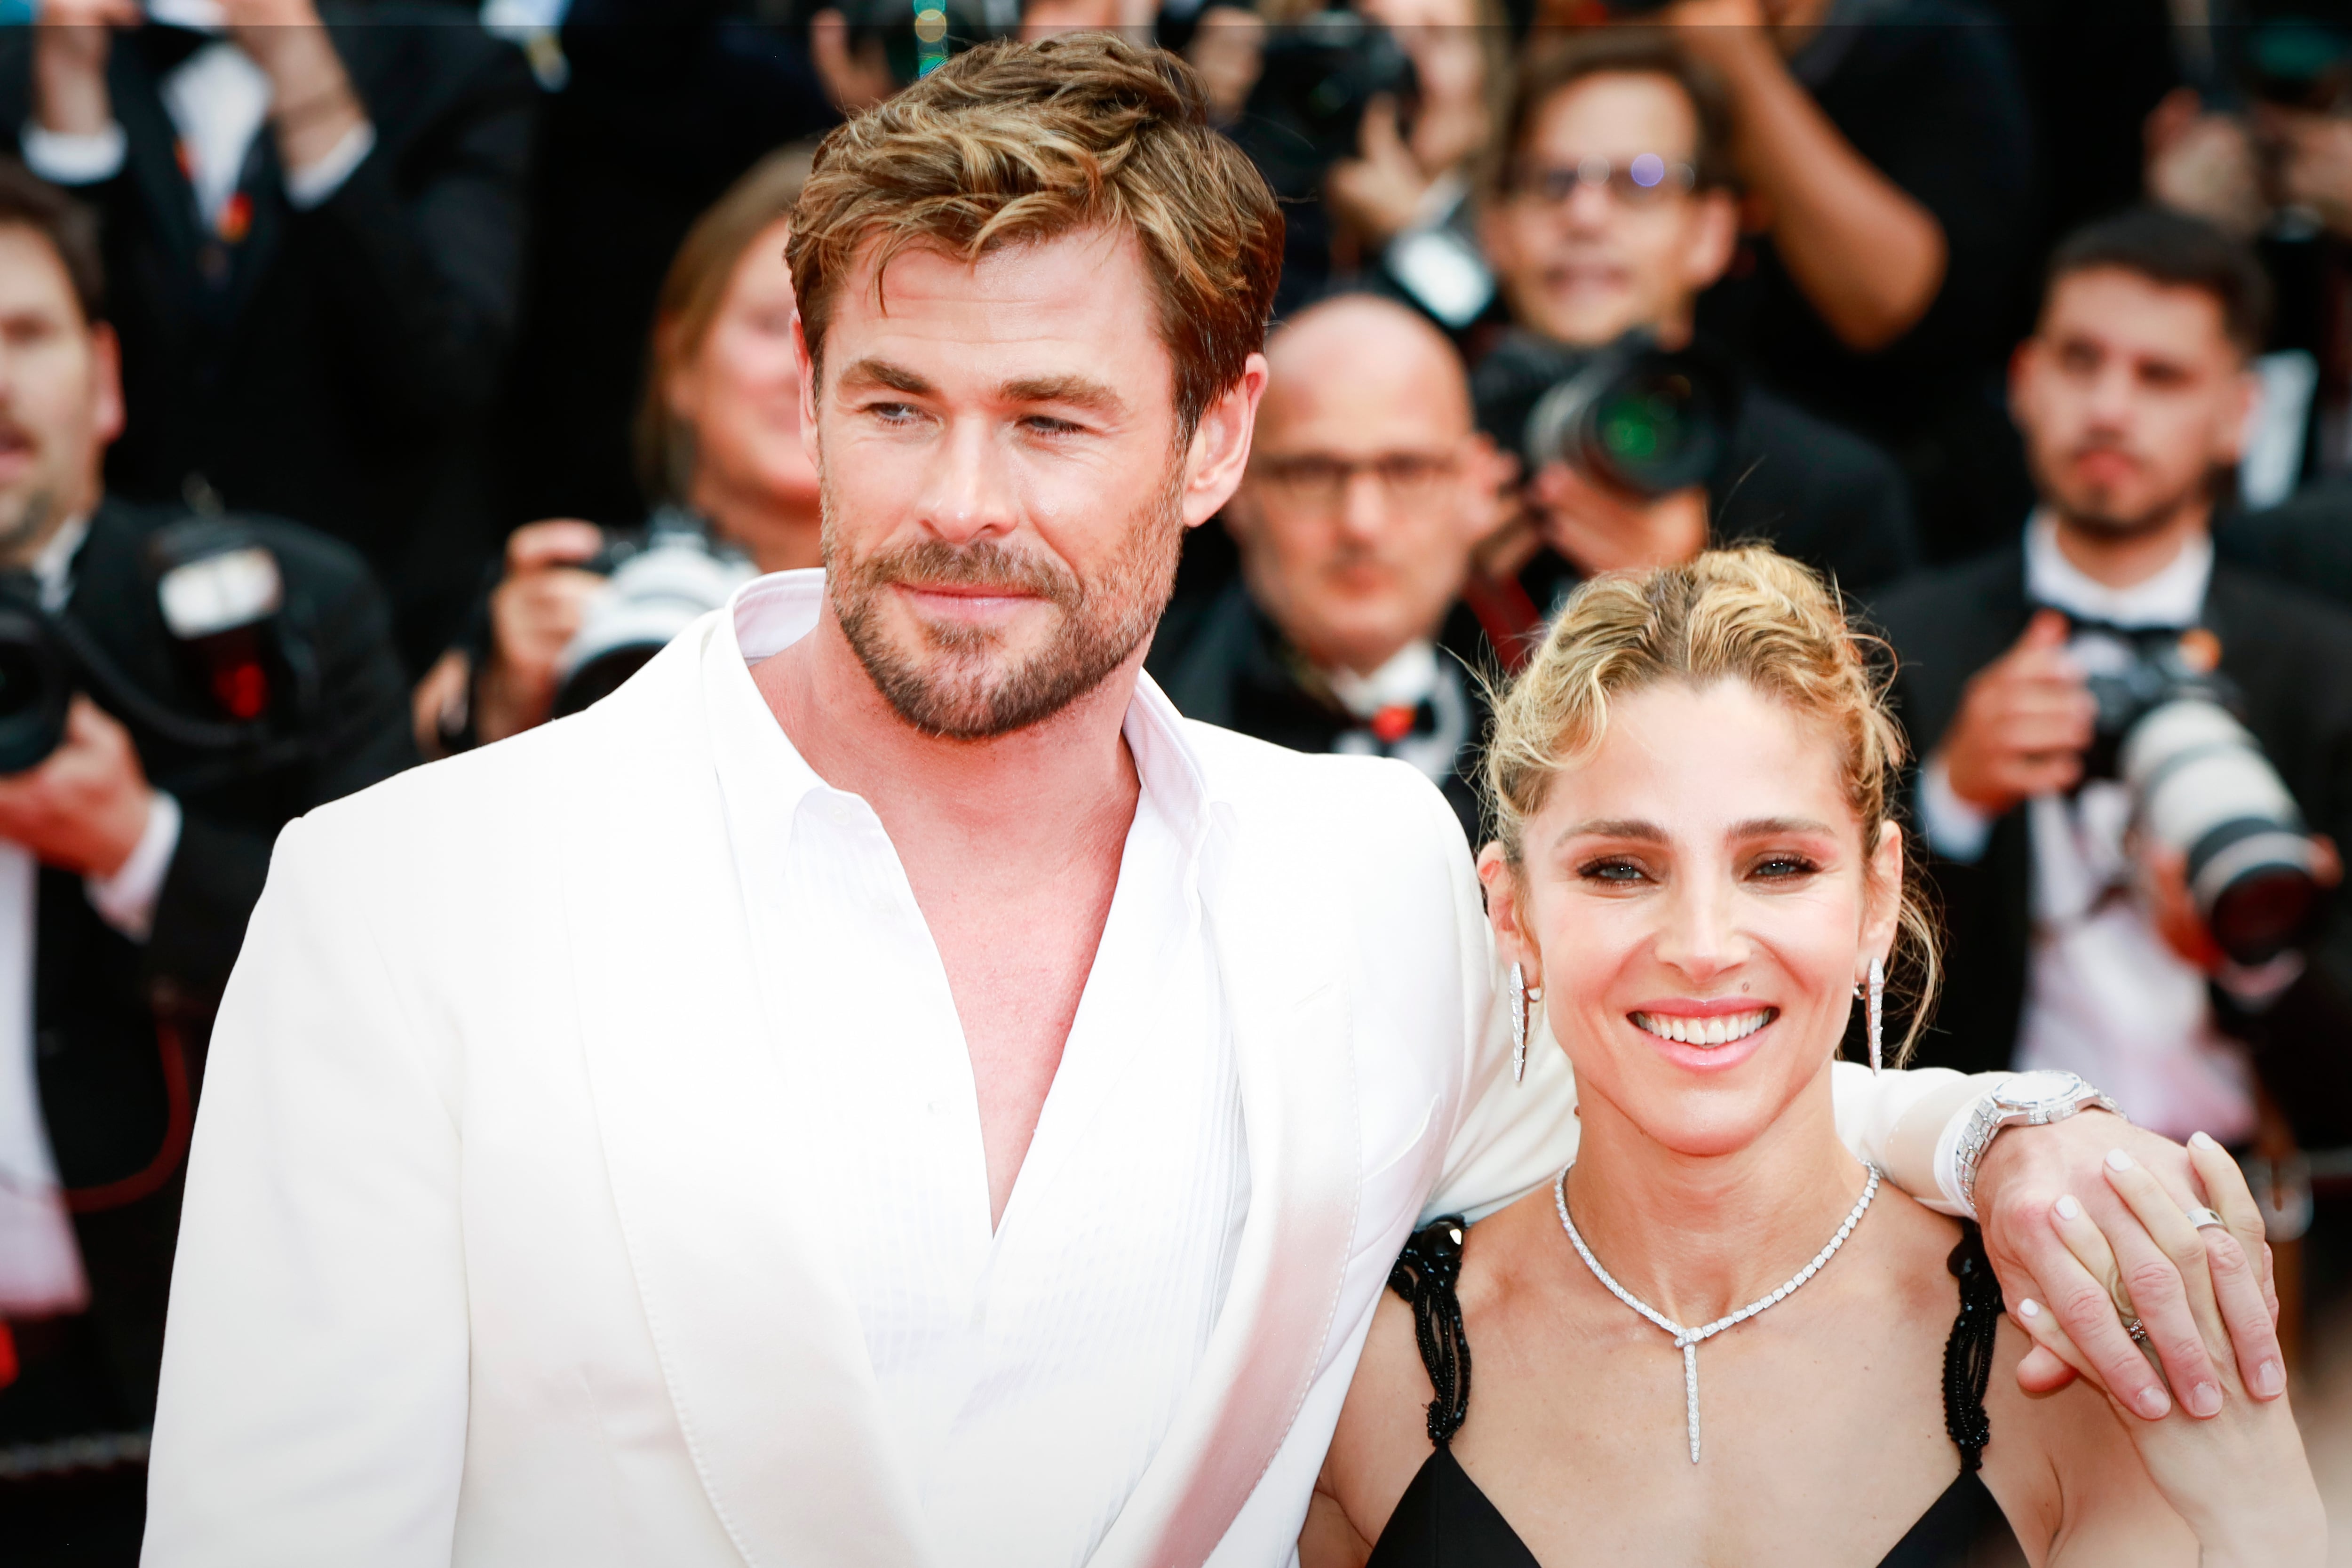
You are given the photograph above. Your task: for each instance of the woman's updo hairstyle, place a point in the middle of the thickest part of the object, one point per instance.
(1746, 614)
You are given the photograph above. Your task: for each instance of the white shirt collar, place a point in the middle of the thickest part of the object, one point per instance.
(2173, 597)
(770, 613)
(1409, 676)
(53, 567)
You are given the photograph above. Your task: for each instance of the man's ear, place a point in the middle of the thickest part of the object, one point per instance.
(105, 385)
(1220, 445)
(2245, 397)
(2024, 370)
(806, 363)
(1713, 238)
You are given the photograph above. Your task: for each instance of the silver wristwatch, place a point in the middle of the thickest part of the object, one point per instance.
(2026, 1099)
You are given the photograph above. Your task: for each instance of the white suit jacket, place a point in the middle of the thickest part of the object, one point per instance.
(491, 1254)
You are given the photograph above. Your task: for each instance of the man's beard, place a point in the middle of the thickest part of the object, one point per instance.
(957, 683)
(24, 526)
(2094, 512)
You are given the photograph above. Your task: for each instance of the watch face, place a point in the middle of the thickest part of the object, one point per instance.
(2033, 1090)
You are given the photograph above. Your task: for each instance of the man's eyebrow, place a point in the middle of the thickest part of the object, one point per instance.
(1071, 391)
(882, 373)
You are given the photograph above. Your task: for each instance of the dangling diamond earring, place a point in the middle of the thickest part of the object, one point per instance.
(1519, 1025)
(1878, 1011)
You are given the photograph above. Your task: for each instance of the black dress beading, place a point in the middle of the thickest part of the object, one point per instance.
(1444, 1521)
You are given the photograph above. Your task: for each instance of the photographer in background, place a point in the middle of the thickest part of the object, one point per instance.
(129, 862)
(718, 433)
(315, 228)
(1610, 211)
(1366, 491)
(2073, 838)
(1886, 150)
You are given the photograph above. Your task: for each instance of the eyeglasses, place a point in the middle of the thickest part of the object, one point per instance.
(1320, 481)
(1642, 180)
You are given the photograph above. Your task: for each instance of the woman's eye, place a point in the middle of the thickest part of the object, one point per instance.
(1781, 867)
(1617, 872)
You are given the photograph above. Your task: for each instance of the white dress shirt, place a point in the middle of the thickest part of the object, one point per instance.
(2106, 997)
(218, 100)
(1027, 1374)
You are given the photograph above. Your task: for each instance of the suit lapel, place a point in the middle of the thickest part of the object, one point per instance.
(1285, 985)
(759, 1343)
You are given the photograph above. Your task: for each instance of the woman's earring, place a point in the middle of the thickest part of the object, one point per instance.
(1519, 1025)
(1878, 1011)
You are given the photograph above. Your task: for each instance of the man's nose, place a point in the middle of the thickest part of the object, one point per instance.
(1363, 504)
(970, 489)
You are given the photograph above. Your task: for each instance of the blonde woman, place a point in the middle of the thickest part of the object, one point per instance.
(1718, 1338)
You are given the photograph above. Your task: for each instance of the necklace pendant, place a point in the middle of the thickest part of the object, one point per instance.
(1690, 1392)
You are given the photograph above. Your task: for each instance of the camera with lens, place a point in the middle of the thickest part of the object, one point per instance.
(1318, 78)
(657, 583)
(2168, 728)
(1638, 418)
(239, 663)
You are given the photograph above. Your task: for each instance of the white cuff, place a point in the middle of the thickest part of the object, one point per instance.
(307, 189)
(1954, 828)
(126, 901)
(65, 158)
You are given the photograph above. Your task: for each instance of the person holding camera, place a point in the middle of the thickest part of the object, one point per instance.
(314, 220)
(1610, 213)
(1366, 493)
(236, 673)
(718, 434)
(2139, 759)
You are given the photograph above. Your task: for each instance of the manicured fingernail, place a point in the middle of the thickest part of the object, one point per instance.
(2202, 1140)
(2205, 1400)
(2153, 1404)
(2029, 1308)
(2270, 1380)
(2118, 1161)
(2068, 1209)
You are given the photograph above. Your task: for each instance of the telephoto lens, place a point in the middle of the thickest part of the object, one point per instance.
(1642, 419)
(2201, 788)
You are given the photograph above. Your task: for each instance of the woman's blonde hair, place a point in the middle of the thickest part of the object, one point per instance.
(1745, 614)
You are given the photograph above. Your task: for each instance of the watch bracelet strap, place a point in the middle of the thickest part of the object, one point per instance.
(1977, 1140)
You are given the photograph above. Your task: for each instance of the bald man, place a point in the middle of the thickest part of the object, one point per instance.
(1368, 487)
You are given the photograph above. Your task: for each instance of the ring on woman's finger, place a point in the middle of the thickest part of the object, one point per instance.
(2201, 1218)
(2136, 1330)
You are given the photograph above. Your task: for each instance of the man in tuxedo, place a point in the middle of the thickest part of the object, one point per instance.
(315, 229)
(130, 857)
(2073, 942)
(1366, 492)
(882, 1088)
(1612, 212)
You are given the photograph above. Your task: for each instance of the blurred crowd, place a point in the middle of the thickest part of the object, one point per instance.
(378, 381)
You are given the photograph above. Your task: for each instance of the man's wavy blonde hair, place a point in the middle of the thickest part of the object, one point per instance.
(1746, 614)
(1014, 143)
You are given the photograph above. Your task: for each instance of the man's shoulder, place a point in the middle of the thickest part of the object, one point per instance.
(1824, 451)
(1943, 597)
(307, 558)
(1315, 794)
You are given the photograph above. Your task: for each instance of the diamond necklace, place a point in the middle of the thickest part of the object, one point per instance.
(1688, 1340)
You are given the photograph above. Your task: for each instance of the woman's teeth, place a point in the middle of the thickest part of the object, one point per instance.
(1719, 1030)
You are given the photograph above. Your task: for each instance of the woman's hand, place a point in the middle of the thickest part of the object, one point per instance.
(2240, 1478)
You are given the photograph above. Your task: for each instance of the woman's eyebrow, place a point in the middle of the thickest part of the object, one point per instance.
(1618, 827)
(1774, 826)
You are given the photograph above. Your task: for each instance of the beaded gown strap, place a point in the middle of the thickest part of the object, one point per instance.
(1425, 1275)
(1967, 1354)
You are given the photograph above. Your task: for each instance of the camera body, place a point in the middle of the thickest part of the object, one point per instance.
(1317, 76)
(220, 591)
(657, 583)
(2167, 727)
(1638, 418)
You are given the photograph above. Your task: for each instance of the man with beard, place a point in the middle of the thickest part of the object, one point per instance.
(2073, 943)
(881, 1089)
